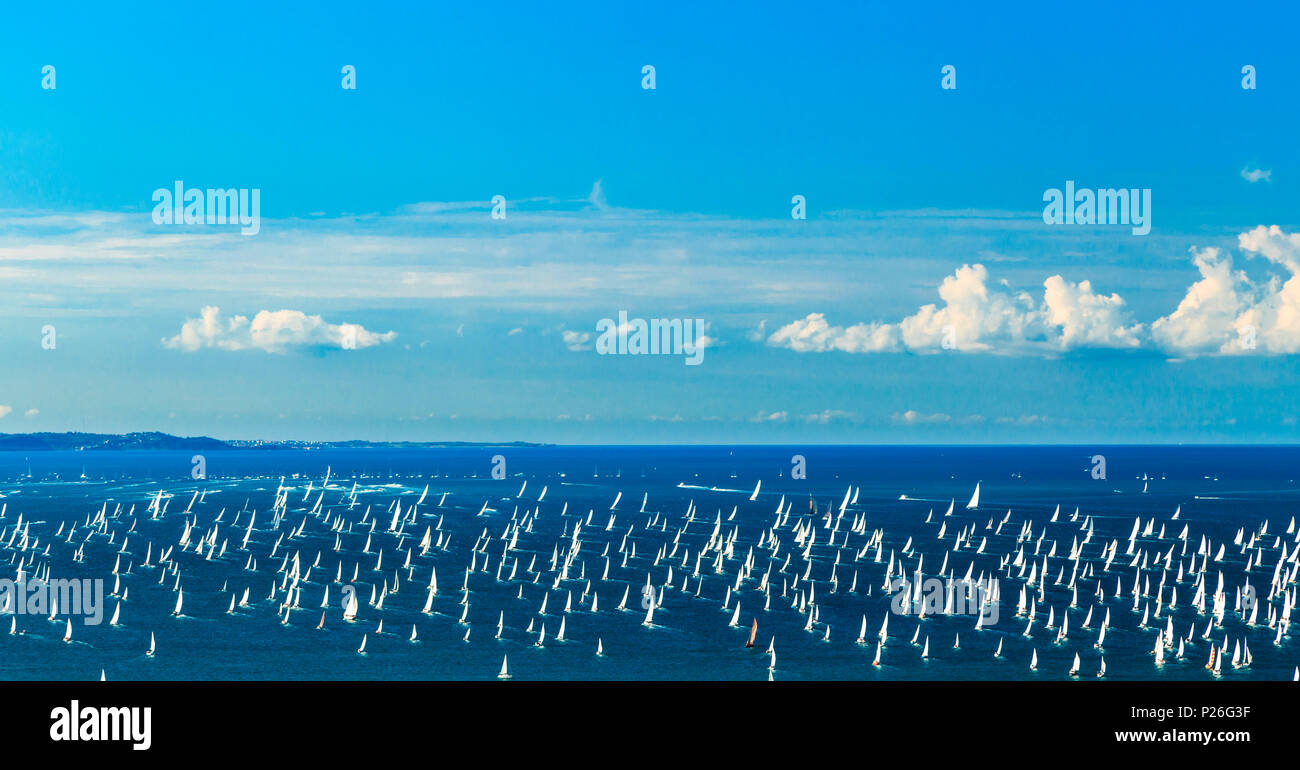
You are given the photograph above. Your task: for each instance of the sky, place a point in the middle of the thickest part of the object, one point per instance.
(924, 297)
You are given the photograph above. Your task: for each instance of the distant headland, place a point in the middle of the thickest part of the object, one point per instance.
(36, 442)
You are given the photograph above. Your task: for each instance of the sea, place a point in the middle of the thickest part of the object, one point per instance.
(528, 510)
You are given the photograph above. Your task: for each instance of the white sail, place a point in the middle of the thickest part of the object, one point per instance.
(974, 498)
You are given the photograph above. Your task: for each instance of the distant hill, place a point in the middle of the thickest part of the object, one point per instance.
(36, 442)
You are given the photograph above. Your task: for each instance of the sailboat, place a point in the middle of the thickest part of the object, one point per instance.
(180, 597)
(974, 499)
(1033, 661)
(505, 668)
(753, 632)
(67, 634)
(1102, 671)
(600, 647)
(362, 649)
(1074, 668)
(152, 646)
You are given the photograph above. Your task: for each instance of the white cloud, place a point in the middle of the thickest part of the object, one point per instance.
(5, 409)
(577, 341)
(1203, 321)
(979, 317)
(273, 331)
(827, 416)
(913, 417)
(597, 196)
(31, 412)
(1085, 319)
(1227, 313)
(770, 416)
(812, 334)
(1256, 175)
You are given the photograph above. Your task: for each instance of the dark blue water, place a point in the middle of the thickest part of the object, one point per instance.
(1220, 490)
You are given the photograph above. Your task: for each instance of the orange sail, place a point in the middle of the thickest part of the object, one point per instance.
(753, 632)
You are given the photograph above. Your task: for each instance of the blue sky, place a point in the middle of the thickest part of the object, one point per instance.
(672, 202)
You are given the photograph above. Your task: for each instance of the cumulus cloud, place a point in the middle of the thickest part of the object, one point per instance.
(272, 331)
(979, 317)
(1226, 313)
(813, 334)
(1083, 318)
(5, 409)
